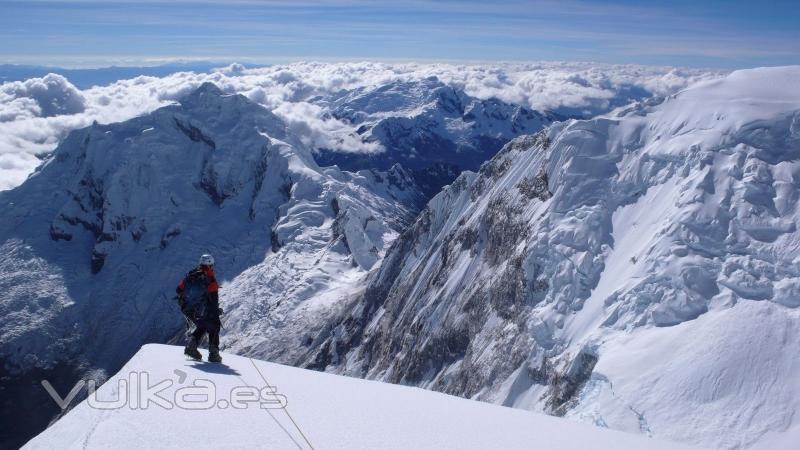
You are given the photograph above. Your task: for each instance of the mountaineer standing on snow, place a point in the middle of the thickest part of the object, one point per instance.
(198, 297)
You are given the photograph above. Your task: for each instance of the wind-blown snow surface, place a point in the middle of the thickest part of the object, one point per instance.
(323, 410)
(639, 271)
(36, 114)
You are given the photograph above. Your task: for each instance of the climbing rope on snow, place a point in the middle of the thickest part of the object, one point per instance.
(285, 408)
(274, 419)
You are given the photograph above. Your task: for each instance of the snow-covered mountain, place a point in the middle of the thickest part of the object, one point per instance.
(94, 242)
(92, 245)
(321, 411)
(432, 129)
(588, 270)
(38, 113)
(639, 271)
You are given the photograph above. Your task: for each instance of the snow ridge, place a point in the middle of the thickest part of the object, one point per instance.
(322, 410)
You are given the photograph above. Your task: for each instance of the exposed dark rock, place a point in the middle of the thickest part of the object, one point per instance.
(98, 260)
(337, 228)
(503, 229)
(543, 373)
(171, 233)
(495, 167)
(106, 237)
(468, 237)
(121, 222)
(275, 243)
(436, 352)
(259, 174)
(565, 386)
(535, 187)
(194, 133)
(507, 294)
(477, 187)
(57, 234)
(208, 184)
(137, 233)
(332, 343)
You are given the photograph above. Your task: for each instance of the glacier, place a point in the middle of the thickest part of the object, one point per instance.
(637, 270)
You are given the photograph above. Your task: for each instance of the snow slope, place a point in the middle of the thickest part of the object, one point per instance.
(322, 410)
(638, 271)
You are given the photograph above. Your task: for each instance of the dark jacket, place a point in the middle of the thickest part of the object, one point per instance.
(211, 297)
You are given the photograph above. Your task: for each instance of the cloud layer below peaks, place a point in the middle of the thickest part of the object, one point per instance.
(36, 114)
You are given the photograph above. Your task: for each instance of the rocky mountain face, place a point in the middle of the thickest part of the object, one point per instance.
(637, 271)
(434, 130)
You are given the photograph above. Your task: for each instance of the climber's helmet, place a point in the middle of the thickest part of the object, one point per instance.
(207, 260)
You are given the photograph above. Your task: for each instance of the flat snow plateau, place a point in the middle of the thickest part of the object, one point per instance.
(331, 411)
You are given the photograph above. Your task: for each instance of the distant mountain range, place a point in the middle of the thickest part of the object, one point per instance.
(428, 127)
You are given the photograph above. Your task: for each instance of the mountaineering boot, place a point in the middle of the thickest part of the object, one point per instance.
(213, 354)
(191, 350)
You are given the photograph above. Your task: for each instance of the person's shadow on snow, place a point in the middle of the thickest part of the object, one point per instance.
(217, 368)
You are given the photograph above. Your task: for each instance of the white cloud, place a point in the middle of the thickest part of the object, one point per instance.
(308, 121)
(39, 97)
(37, 113)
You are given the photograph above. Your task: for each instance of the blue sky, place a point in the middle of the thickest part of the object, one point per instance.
(721, 34)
